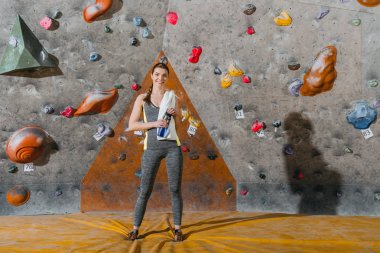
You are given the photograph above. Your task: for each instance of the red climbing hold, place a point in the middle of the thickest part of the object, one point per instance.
(185, 148)
(172, 17)
(299, 175)
(68, 112)
(257, 126)
(250, 30)
(195, 53)
(246, 79)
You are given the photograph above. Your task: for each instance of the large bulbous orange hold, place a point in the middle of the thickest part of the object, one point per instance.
(92, 11)
(26, 144)
(369, 3)
(321, 76)
(97, 101)
(18, 195)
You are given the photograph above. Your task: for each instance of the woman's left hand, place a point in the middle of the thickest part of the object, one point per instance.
(171, 111)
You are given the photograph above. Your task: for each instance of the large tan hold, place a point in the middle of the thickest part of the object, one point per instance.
(369, 3)
(111, 183)
(321, 76)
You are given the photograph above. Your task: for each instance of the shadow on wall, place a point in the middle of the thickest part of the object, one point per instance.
(50, 147)
(308, 174)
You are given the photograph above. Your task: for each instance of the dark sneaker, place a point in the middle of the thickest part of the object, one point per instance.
(178, 235)
(133, 235)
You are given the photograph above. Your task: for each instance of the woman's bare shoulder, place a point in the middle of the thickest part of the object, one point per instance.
(141, 97)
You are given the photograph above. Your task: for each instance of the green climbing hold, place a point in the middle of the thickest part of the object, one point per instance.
(356, 22)
(377, 196)
(12, 169)
(348, 150)
(107, 29)
(24, 51)
(373, 83)
(118, 86)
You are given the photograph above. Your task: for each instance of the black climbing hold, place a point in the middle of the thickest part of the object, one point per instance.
(122, 156)
(262, 176)
(212, 156)
(217, 71)
(133, 41)
(12, 169)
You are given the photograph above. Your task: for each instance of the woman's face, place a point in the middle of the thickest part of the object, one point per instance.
(159, 77)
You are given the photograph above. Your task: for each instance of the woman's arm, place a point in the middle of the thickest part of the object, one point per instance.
(134, 124)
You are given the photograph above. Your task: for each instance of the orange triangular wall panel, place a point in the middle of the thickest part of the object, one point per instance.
(111, 183)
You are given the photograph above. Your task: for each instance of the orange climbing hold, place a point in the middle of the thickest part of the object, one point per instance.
(97, 101)
(92, 11)
(369, 3)
(26, 144)
(18, 195)
(321, 76)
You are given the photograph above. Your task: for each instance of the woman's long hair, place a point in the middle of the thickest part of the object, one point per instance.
(158, 65)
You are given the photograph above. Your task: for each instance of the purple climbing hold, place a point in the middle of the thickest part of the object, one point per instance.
(288, 150)
(104, 129)
(294, 86)
(48, 109)
(322, 13)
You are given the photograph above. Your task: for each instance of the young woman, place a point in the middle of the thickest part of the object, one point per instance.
(155, 150)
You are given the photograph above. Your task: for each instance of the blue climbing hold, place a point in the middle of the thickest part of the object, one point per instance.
(138, 173)
(147, 33)
(94, 56)
(362, 115)
(138, 21)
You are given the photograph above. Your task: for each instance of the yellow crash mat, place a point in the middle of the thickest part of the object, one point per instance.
(203, 231)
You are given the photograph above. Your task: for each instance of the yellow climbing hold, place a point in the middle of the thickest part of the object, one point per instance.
(234, 70)
(185, 113)
(194, 121)
(226, 81)
(283, 19)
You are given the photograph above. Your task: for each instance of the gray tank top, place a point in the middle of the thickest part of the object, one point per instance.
(150, 114)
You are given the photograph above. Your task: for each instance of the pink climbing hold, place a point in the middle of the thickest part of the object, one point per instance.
(135, 87)
(195, 53)
(172, 17)
(68, 112)
(243, 192)
(246, 79)
(46, 23)
(250, 30)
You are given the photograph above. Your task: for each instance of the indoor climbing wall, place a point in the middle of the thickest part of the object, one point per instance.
(287, 90)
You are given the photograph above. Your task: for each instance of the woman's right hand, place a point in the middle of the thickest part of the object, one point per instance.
(160, 123)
